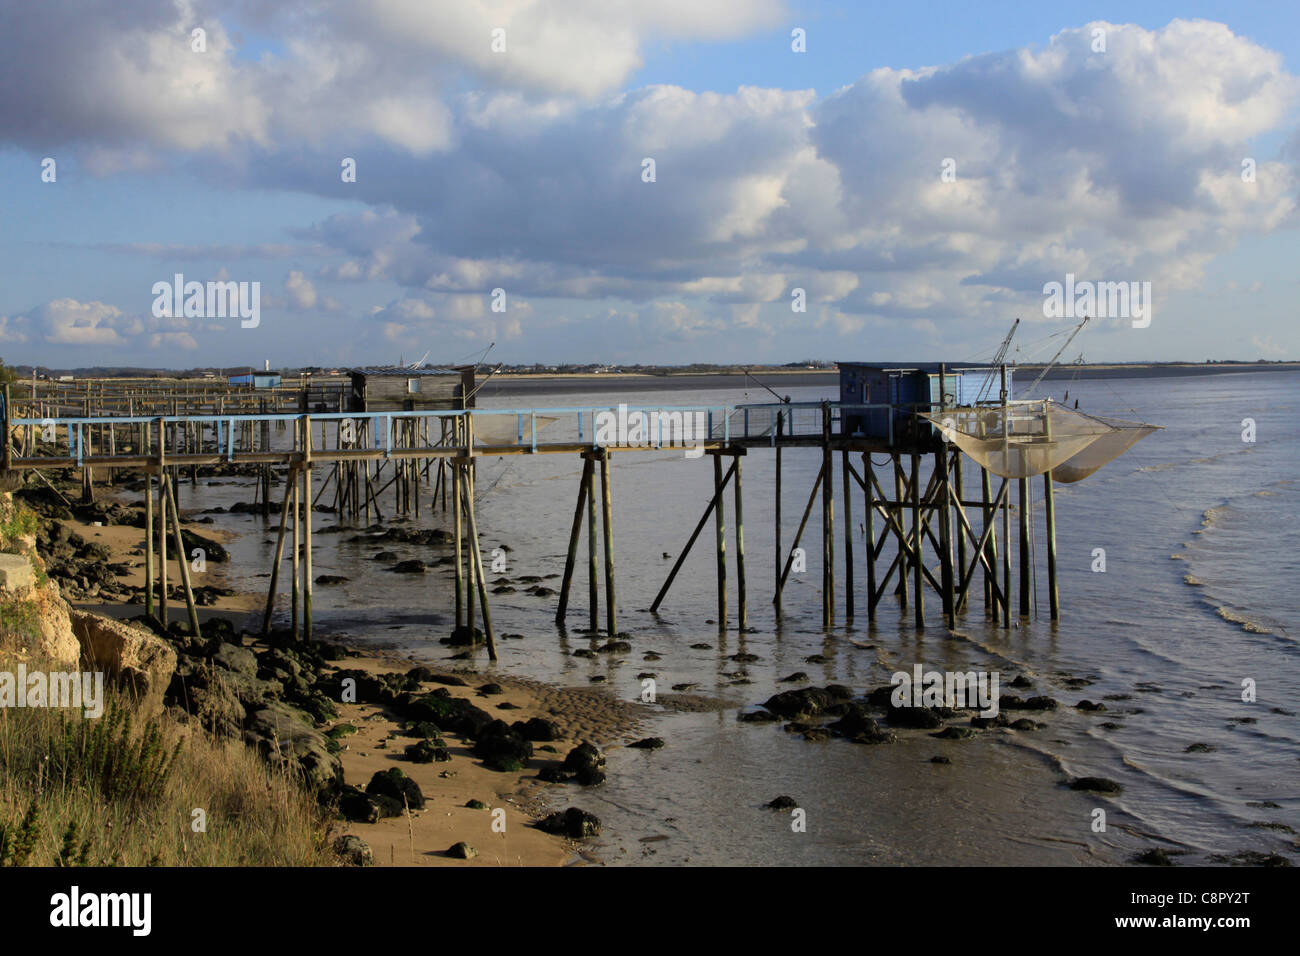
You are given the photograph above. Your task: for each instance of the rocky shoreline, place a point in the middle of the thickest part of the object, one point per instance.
(403, 754)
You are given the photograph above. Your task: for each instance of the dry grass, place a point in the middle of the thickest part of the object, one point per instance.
(254, 816)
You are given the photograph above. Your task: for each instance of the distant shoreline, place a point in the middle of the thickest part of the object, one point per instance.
(516, 384)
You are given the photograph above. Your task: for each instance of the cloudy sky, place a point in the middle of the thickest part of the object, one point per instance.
(919, 170)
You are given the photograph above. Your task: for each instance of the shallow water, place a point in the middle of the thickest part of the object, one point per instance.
(1199, 531)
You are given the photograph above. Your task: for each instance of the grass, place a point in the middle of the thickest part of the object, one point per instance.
(124, 791)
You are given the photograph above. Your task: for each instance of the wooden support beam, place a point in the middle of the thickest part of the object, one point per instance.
(690, 542)
(846, 469)
(918, 590)
(279, 551)
(785, 572)
(869, 520)
(1023, 487)
(575, 533)
(607, 526)
(182, 559)
(457, 506)
(593, 557)
(1049, 505)
(476, 564)
(720, 543)
(741, 597)
(944, 505)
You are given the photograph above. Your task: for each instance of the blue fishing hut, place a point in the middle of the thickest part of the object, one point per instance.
(907, 389)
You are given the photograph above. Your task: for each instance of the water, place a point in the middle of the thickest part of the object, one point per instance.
(1198, 595)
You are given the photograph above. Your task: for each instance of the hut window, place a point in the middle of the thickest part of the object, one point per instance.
(412, 386)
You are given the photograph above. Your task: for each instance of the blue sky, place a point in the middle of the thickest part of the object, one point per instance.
(522, 171)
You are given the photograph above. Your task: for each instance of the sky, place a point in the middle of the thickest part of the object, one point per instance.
(753, 181)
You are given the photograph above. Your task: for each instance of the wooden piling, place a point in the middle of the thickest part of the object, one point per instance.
(1049, 506)
(869, 521)
(848, 537)
(182, 559)
(741, 598)
(575, 533)
(593, 556)
(289, 485)
(918, 584)
(1023, 489)
(720, 541)
(607, 524)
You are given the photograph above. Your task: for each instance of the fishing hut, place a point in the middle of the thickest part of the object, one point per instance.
(426, 388)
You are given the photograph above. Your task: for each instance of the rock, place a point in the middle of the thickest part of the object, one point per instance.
(649, 743)
(1153, 857)
(395, 785)
(940, 759)
(426, 751)
(1024, 723)
(573, 823)
(920, 718)
(210, 700)
(1040, 703)
(366, 808)
(855, 720)
(806, 702)
(476, 805)
(500, 747)
(410, 566)
(235, 658)
(793, 678)
(1089, 705)
(758, 717)
(1199, 748)
(16, 574)
(1096, 785)
(782, 803)
(586, 764)
(489, 690)
(284, 734)
(537, 729)
(354, 850)
(138, 660)
(954, 733)
(1021, 681)
(331, 579)
(462, 851)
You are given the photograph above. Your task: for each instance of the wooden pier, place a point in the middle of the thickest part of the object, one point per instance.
(923, 533)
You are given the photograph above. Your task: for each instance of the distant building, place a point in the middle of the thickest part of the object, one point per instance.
(257, 379)
(427, 388)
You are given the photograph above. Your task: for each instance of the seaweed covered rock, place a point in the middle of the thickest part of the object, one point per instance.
(395, 785)
(573, 823)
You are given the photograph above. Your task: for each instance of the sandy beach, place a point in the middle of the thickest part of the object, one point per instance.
(500, 832)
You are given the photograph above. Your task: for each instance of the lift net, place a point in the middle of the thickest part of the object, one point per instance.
(1023, 439)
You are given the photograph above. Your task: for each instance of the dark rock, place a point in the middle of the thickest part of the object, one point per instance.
(462, 851)
(354, 851)
(782, 803)
(805, 702)
(758, 717)
(955, 733)
(573, 823)
(395, 785)
(1024, 723)
(410, 566)
(1096, 785)
(427, 752)
(331, 579)
(939, 758)
(1089, 705)
(1153, 857)
(921, 718)
(793, 678)
(537, 729)
(586, 764)
(649, 743)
